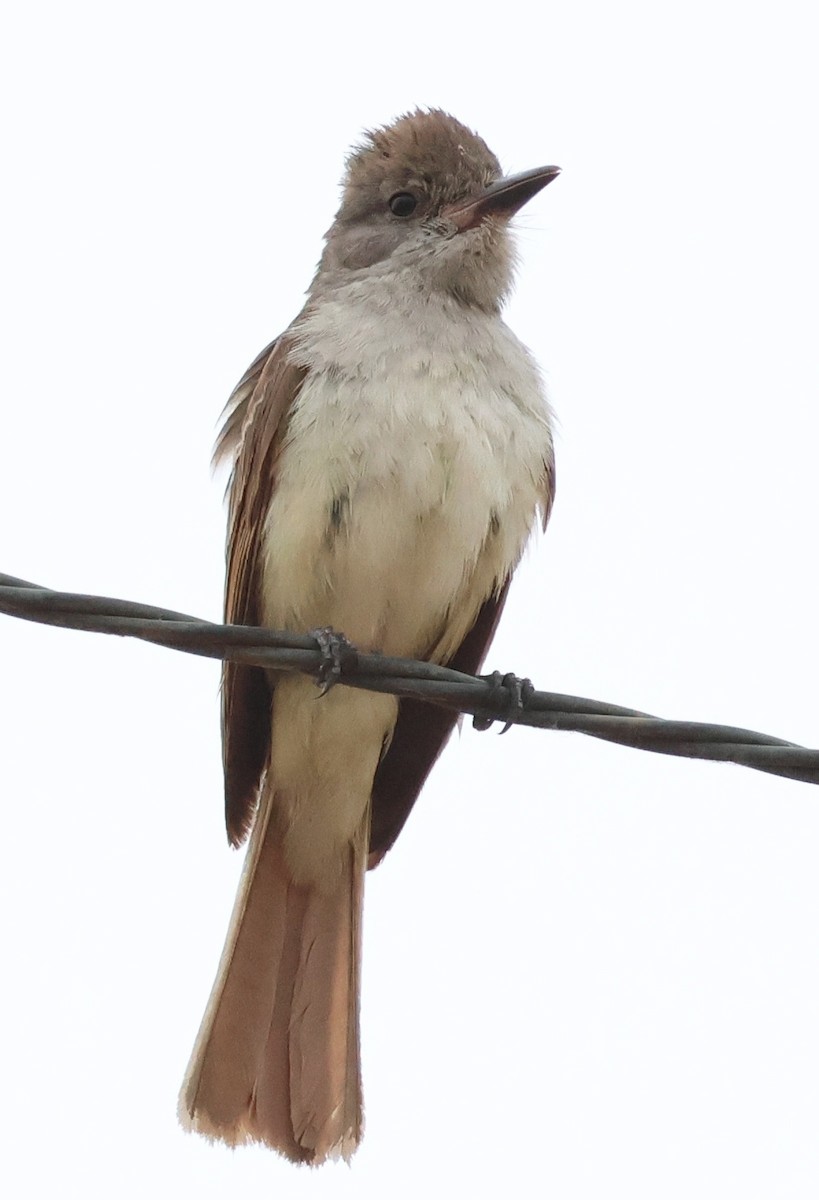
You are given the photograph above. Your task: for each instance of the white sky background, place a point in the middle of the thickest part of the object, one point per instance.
(589, 971)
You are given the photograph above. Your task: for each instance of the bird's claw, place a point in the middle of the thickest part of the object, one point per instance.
(336, 650)
(508, 697)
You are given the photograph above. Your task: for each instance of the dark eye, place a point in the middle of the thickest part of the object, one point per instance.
(402, 204)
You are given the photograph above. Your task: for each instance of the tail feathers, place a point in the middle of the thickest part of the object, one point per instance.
(277, 1056)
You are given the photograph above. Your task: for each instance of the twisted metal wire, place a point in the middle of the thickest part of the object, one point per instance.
(486, 698)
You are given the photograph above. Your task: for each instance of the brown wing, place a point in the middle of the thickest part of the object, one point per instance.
(548, 486)
(256, 417)
(422, 730)
(234, 413)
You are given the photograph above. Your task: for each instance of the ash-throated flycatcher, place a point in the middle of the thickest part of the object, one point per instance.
(391, 453)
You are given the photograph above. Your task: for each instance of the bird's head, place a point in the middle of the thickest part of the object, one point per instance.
(426, 195)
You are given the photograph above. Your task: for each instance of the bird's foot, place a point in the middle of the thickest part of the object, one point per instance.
(336, 652)
(508, 697)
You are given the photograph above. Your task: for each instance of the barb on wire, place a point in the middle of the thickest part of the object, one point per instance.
(477, 695)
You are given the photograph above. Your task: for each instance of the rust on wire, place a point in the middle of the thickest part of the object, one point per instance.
(480, 696)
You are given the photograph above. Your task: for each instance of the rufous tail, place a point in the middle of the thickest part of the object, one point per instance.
(277, 1056)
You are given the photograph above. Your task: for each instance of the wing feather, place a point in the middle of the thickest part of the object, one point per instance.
(420, 734)
(256, 416)
(422, 730)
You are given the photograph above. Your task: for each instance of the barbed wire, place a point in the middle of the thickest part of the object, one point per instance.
(485, 698)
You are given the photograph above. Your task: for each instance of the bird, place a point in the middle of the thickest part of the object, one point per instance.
(391, 453)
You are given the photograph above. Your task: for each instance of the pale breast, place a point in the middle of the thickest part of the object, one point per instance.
(411, 473)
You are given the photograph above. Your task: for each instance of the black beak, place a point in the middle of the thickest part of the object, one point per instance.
(501, 199)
